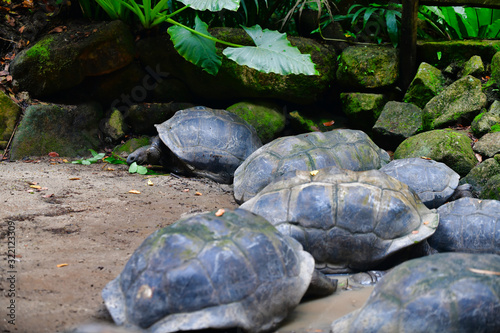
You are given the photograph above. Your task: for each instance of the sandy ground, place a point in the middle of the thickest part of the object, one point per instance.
(73, 227)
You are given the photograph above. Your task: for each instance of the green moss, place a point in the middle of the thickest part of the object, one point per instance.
(40, 51)
(495, 128)
(478, 117)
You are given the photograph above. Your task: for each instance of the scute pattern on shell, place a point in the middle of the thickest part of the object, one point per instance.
(348, 149)
(434, 182)
(468, 225)
(445, 292)
(211, 143)
(347, 220)
(205, 271)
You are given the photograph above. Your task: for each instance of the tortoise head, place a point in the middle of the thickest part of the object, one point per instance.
(145, 155)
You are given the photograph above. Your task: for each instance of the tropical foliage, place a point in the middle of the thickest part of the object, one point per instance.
(462, 22)
(272, 51)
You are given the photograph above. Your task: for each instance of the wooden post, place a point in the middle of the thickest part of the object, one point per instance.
(408, 43)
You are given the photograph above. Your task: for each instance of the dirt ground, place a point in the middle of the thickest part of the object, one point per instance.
(73, 227)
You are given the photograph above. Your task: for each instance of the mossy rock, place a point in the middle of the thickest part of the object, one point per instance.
(488, 145)
(241, 82)
(266, 117)
(141, 118)
(486, 121)
(397, 122)
(114, 125)
(61, 61)
(9, 114)
(458, 103)
(447, 146)
(495, 68)
(368, 67)
(123, 150)
(492, 188)
(362, 109)
(474, 66)
(478, 177)
(458, 51)
(68, 130)
(427, 83)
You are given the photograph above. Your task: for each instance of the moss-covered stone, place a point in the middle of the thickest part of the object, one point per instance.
(486, 121)
(495, 68)
(141, 118)
(492, 188)
(458, 51)
(397, 122)
(63, 60)
(447, 146)
(266, 117)
(427, 83)
(9, 113)
(460, 102)
(241, 82)
(114, 125)
(68, 130)
(488, 145)
(474, 66)
(480, 174)
(123, 150)
(362, 109)
(368, 67)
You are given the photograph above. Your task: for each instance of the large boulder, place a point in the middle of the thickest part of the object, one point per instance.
(9, 113)
(266, 117)
(363, 67)
(459, 102)
(427, 83)
(241, 82)
(474, 66)
(495, 68)
(488, 145)
(485, 121)
(450, 147)
(397, 122)
(480, 174)
(63, 60)
(68, 130)
(362, 109)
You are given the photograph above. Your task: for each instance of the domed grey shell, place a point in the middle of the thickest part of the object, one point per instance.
(434, 182)
(468, 225)
(211, 143)
(205, 271)
(347, 220)
(344, 148)
(445, 292)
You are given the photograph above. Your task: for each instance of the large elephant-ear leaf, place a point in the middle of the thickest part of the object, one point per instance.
(195, 48)
(212, 5)
(272, 53)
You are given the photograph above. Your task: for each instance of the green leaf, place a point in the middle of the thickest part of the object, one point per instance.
(212, 5)
(133, 168)
(494, 30)
(197, 49)
(272, 53)
(142, 170)
(367, 15)
(392, 26)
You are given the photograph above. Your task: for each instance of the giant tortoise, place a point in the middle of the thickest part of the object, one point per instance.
(348, 220)
(200, 141)
(211, 271)
(345, 148)
(444, 292)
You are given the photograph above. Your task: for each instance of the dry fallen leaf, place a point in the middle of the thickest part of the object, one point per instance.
(425, 158)
(134, 192)
(426, 222)
(482, 271)
(185, 190)
(61, 265)
(37, 187)
(314, 172)
(329, 123)
(150, 183)
(220, 212)
(74, 178)
(414, 232)
(478, 157)
(198, 193)
(53, 154)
